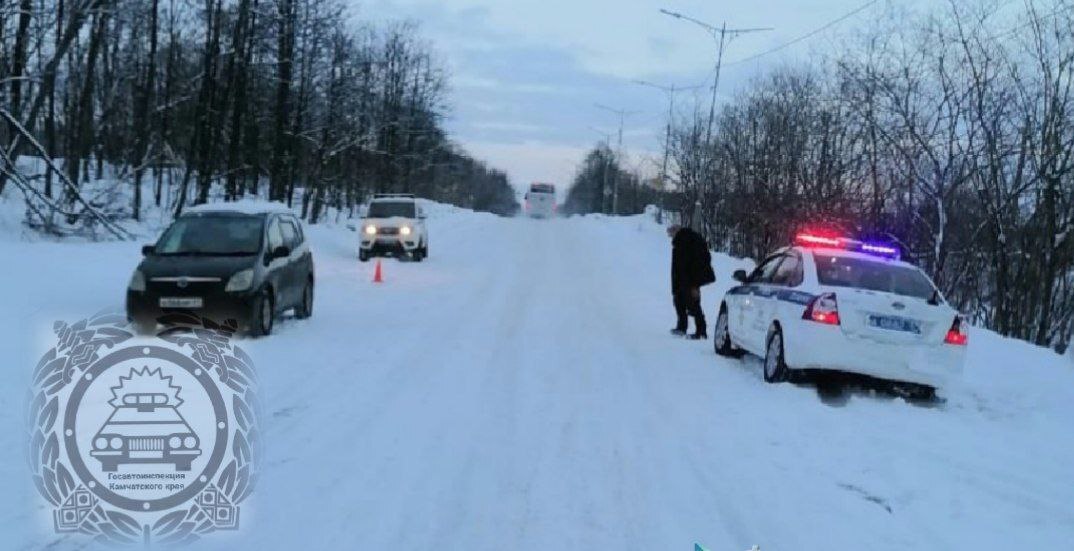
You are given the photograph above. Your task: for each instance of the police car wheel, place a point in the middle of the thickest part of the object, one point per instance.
(721, 337)
(144, 326)
(775, 366)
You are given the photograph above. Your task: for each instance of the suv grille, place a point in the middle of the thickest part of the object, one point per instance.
(388, 231)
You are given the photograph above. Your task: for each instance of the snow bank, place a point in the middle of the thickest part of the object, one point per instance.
(518, 390)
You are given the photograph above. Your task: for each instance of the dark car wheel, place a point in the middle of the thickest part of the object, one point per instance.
(721, 337)
(363, 256)
(264, 315)
(142, 325)
(305, 308)
(775, 365)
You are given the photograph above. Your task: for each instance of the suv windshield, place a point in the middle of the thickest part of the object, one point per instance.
(388, 209)
(841, 271)
(212, 235)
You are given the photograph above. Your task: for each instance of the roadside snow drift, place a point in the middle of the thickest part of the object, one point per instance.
(518, 390)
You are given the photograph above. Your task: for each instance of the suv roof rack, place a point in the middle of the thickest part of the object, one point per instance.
(393, 196)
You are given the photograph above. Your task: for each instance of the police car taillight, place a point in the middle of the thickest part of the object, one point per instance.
(823, 309)
(956, 335)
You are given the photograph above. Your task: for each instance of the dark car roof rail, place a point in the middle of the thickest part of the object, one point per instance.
(393, 196)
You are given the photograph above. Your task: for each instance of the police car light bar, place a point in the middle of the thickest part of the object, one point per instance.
(811, 240)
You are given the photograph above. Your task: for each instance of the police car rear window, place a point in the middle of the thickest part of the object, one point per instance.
(841, 271)
(542, 188)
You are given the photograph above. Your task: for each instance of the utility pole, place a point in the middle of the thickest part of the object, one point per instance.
(670, 90)
(623, 113)
(723, 36)
(604, 173)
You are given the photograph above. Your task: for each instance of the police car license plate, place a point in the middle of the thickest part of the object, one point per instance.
(892, 323)
(181, 302)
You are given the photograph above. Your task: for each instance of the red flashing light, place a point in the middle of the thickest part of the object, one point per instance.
(955, 335)
(810, 239)
(814, 240)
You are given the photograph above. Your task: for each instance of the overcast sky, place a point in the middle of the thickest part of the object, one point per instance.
(525, 74)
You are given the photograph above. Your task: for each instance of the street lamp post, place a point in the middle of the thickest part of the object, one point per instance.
(723, 36)
(604, 173)
(670, 90)
(619, 152)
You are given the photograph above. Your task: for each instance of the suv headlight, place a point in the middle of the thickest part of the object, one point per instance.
(405, 230)
(370, 229)
(241, 281)
(137, 281)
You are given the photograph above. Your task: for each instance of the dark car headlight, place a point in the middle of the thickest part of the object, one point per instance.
(137, 281)
(241, 281)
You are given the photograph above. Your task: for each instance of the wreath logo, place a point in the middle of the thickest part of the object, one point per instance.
(137, 440)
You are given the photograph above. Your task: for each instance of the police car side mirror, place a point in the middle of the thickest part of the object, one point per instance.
(148, 249)
(740, 276)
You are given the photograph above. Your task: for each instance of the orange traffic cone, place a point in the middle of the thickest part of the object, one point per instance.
(376, 274)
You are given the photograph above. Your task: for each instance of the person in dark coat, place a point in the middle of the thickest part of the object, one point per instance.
(691, 269)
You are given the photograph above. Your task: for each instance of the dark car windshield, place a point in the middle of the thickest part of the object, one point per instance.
(212, 235)
(873, 275)
(388, 209)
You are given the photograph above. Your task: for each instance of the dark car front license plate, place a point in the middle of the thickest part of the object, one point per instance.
(892, 323)
(181, 302)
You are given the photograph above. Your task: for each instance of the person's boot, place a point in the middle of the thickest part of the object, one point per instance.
(678, 332)
(701, 333)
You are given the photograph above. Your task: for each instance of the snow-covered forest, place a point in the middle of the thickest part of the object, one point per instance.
(948, 131)
(140, 104)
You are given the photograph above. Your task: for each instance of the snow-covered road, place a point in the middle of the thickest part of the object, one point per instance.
(518, 390)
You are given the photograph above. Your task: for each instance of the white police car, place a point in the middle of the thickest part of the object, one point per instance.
(832, 303)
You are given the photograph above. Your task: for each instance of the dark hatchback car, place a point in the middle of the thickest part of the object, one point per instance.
(247, 262)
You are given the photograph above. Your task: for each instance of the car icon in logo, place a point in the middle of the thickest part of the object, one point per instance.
(145, 428)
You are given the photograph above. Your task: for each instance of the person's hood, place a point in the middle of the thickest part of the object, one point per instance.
(194, 266)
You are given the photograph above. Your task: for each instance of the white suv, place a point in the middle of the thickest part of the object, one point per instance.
(394, 224)
(831, 303)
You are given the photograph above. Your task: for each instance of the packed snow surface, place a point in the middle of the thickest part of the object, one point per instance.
(518, 390)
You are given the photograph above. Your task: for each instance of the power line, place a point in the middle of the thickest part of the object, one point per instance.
(808, 35)
(723, 36)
